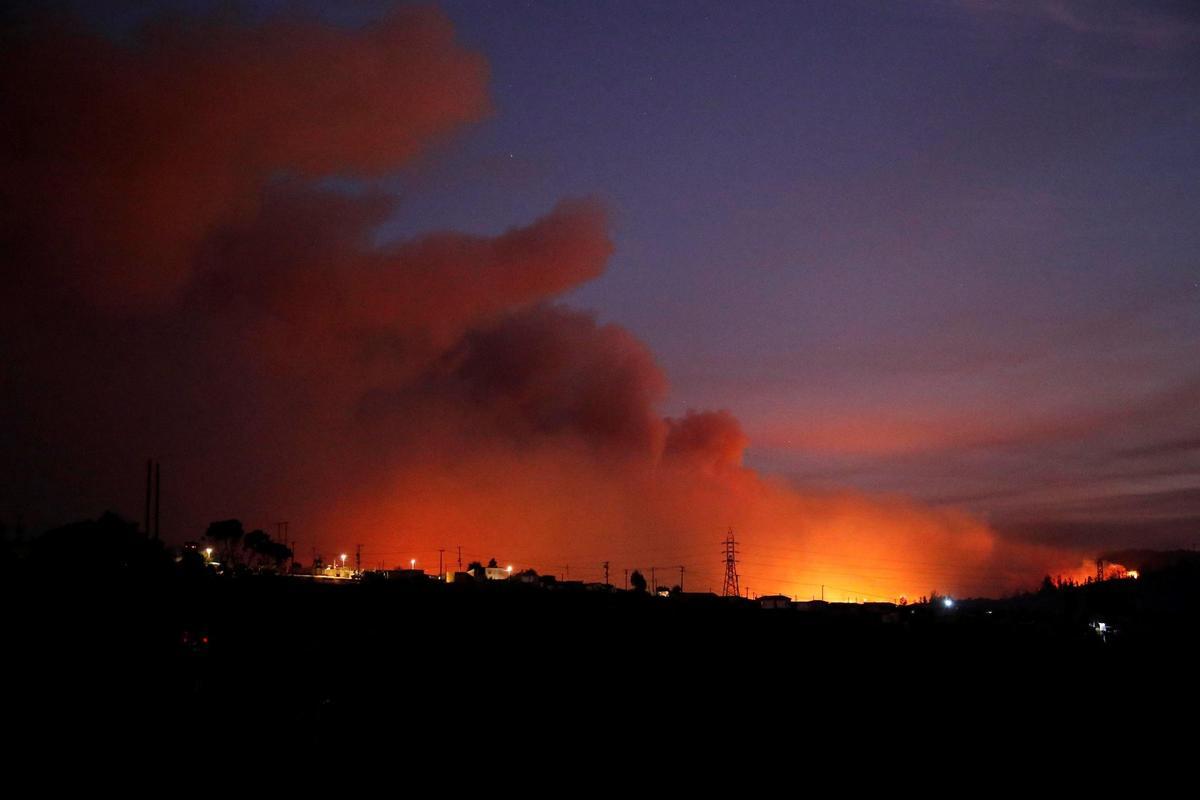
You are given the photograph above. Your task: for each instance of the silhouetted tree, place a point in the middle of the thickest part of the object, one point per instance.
(638, 581)
(226, 535)
(257, 542)
(278, 553)
(265, 551)
(98, 547)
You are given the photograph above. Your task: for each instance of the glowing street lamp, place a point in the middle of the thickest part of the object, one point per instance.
(343, 560)
(208, 554)
(412, 563)
(510, 570)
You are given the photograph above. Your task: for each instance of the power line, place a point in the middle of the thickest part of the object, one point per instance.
(867, 569)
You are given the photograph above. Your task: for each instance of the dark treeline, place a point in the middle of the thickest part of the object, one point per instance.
(108, 620)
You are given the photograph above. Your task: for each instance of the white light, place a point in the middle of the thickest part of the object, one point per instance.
(510, 569)
(947, 602)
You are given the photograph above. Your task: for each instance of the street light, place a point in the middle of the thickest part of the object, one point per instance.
(343, 560)
(412, 563)
(208, 554)
(510, 569)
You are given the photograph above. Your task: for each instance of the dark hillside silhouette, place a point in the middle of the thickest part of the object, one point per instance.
(110, 621)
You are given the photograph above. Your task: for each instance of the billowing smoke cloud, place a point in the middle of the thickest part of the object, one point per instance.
(127, 158)
(176, 283)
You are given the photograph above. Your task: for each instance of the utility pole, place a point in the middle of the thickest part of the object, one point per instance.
(606, 573)
(681, 578)
(146, 518)
(653, 582)
(281, 533)
(730, 588)
(157, 496)
(627, 579)
(441, 573)
(460, 558)
(358, 558)
(153, 488)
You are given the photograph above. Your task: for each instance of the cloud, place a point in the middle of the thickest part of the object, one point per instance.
(1151, 25)
(1163, 448)
(305, 274)
(180, 283)
(1124, 41)
(119, 161)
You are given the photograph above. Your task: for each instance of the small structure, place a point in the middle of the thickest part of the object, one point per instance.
(810, 605)
(336, 571)
(401, 574)
(775, 601)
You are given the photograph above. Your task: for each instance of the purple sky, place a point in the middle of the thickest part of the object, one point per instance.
(942, 248)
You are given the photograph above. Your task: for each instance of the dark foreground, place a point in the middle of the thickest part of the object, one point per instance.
(113, 645)
(182, 659)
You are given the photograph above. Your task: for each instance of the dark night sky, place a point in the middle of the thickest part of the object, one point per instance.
(944, 249)
(941, 248)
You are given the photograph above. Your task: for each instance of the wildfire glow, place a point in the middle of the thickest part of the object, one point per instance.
(415, 396)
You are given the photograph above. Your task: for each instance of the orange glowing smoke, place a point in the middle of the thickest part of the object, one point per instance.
(180, 284)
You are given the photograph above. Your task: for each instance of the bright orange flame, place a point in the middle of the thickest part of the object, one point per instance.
(547, 509)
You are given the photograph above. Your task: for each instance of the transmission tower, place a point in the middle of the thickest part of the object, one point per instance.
(731, 588)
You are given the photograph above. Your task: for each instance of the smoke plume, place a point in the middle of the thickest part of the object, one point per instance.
(178, 282)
